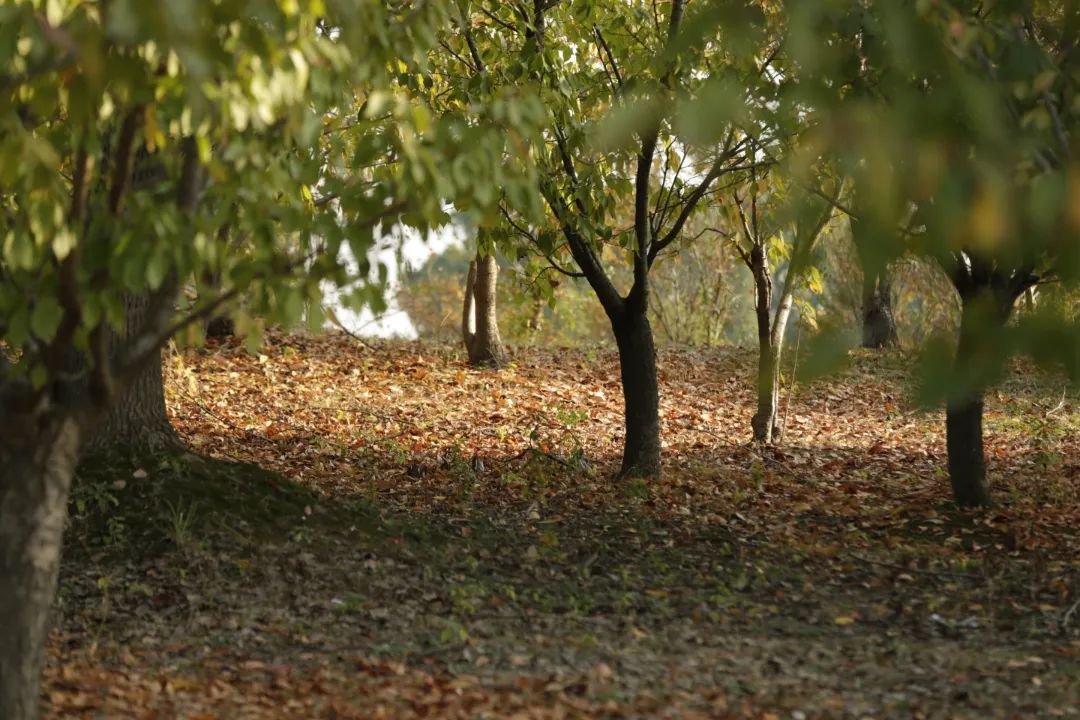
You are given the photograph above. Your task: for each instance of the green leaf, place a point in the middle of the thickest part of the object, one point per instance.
(45, 317)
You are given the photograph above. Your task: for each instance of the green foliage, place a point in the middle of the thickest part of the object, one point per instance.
(233, 147)
(956, 123)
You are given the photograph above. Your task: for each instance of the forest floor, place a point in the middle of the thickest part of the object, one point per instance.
(429, 540)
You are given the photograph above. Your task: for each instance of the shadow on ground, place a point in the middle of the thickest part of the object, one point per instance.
(784, 584)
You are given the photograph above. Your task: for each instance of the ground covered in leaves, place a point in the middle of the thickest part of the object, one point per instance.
(429, 540)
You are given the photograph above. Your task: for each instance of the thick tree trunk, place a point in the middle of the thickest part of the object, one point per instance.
(878, 321)
(480, 325)
(964, 437)
(964, 412)
(138, 421)
(37, 459)
(641, 393)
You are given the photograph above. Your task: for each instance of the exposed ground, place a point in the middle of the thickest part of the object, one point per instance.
(435, 541)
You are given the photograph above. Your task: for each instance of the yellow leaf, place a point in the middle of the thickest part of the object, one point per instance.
(843, 620)
(986, 221)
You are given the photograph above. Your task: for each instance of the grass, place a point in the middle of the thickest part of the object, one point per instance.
(147, 506)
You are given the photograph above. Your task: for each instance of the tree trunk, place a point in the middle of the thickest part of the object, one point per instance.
(480, 326)
(641, 393)
(964, 438)
(878, 321)
(37, 460)
(963, 428)
(764, 423)
(768, 372)
(137, 422)
(964, 410)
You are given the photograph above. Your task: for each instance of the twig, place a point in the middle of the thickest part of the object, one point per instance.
(332, 317)
(550, 456)
(895, 566)
(1061, 403)
(1067, 617)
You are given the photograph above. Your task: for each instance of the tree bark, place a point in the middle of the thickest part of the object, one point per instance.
(878, 321)
(641, 393)
(987, 297)
(763, 423)
(37, 460)
(964, 438)
(479, 322)
(963, 425)
(138, 421)
(964, 408)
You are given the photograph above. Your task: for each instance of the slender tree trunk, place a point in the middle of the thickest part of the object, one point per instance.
(878, 321)
(641, 392)
(220, 326)
(768, 371)
(138, 421)
(37, 460)
(764, 422)
(480, 326)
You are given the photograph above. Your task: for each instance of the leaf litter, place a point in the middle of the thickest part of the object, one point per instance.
(449, 542)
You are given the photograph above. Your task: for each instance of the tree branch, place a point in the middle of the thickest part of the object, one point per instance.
(123, 160)
(692, 202)
(583, 254)
(68, 270)
(610, 56)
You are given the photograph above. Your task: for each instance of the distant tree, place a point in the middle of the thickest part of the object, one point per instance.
(878, 320)
(697, 290)
(479, 319)
(767, 232)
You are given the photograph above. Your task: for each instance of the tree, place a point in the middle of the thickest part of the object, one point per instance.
(878, 321)
(137, 422)
(957, 122)
(262, 117)
(769, 231)
(479, 321)
(634, 194)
